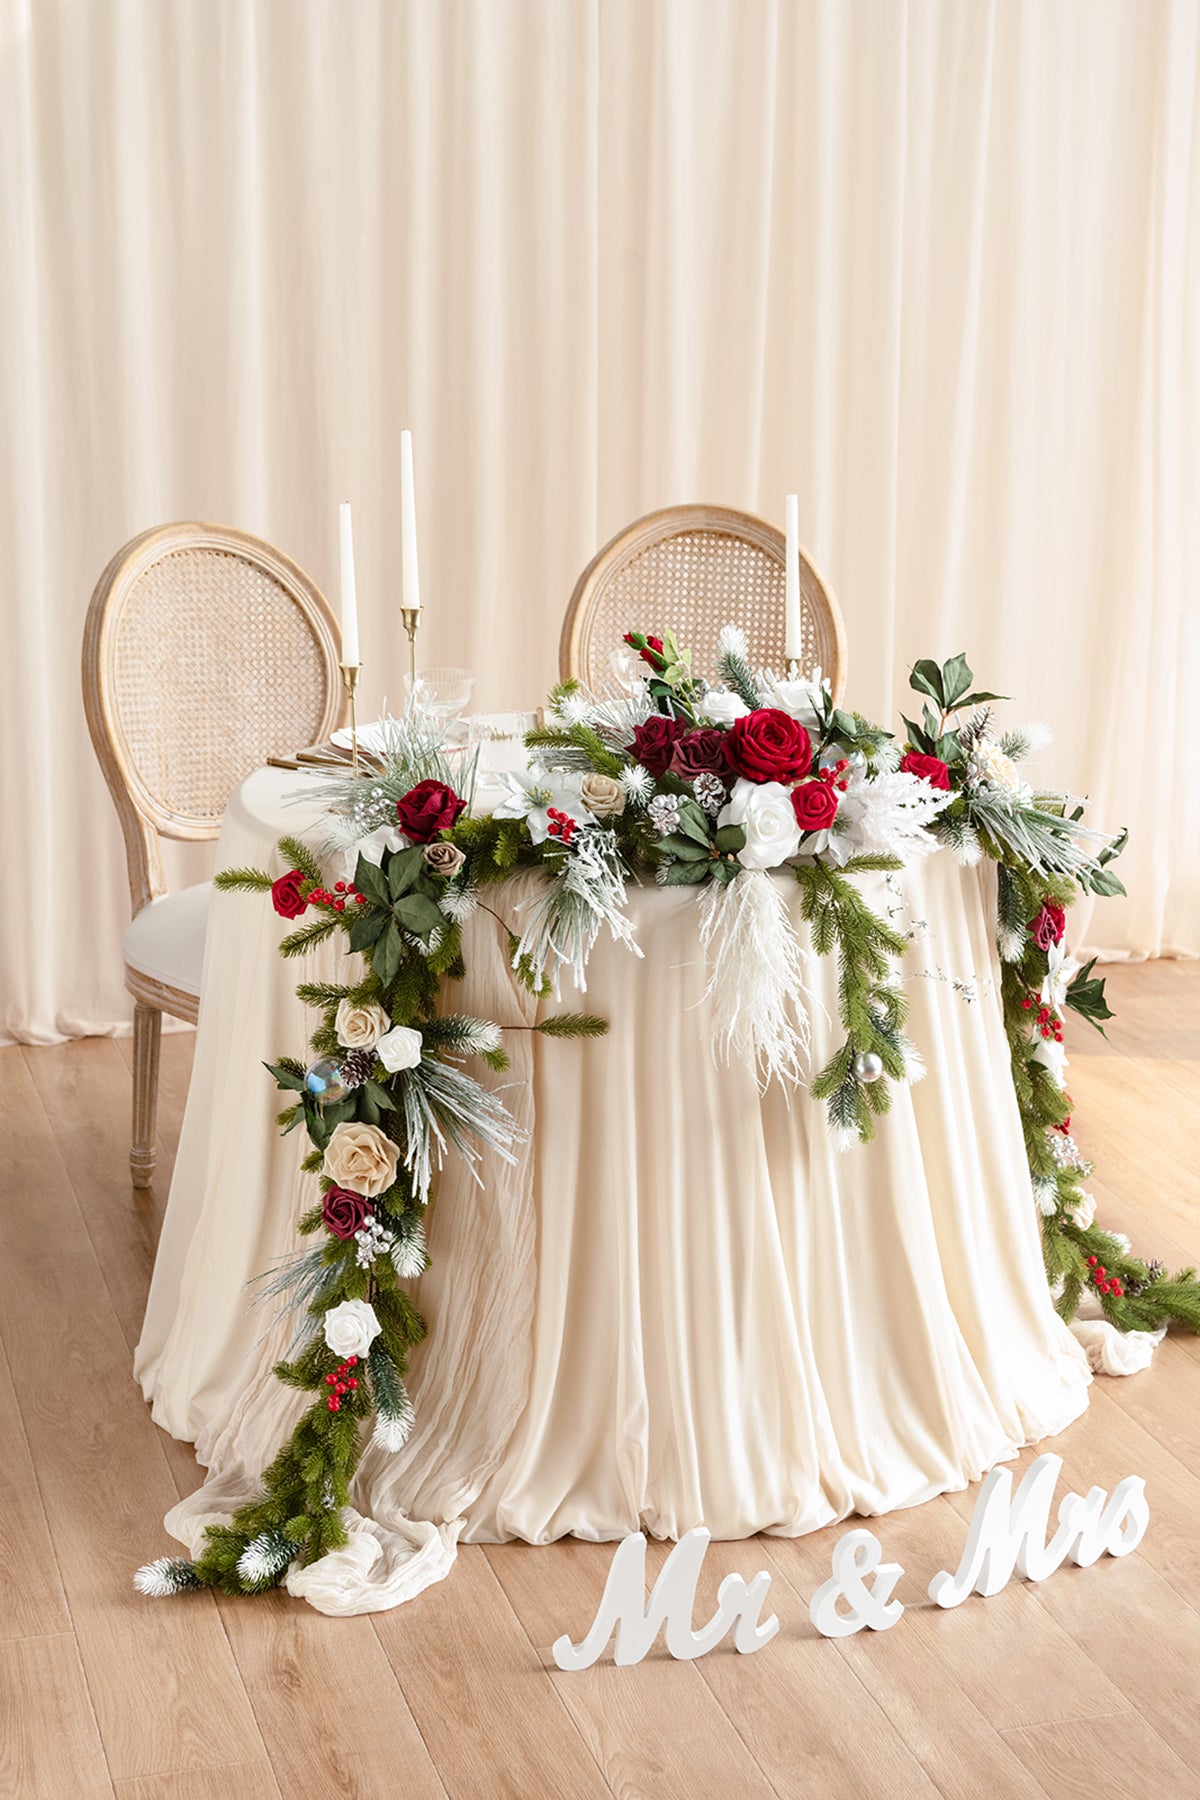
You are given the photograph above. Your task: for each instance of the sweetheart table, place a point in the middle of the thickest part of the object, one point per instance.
(681, 1304)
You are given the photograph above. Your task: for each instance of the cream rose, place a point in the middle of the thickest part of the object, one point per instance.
(361, 1158)
(1083, 1213)
(764, 811)
(400, 1049)
(602, 795)
(443, 859)
(360, 1027)
(351, 1328)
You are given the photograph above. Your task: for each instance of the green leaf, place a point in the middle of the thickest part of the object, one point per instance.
(286, 1078)
(918, 737)
(380, 1095)
(1085, 996)
(692, 823)
(370, 880)
(956, 681)
(404, 869)
(1115, 848)
(926, 678)
(686, 849)
(981, 699)
(684, 874)
(418, 914)
(367, 927)
(843, 724)
(1104, 882)
(388, 954)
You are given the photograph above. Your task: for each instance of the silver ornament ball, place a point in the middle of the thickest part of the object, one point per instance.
(867, 1066)
(323, 1080)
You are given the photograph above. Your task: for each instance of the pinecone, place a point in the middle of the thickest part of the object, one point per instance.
(1154, 1270)
(357, 1066)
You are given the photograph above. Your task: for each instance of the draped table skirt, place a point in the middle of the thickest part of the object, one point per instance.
(681, 1305)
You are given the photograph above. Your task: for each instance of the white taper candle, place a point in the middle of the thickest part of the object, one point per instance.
(349, 596)
(793, 643)
(410, 580)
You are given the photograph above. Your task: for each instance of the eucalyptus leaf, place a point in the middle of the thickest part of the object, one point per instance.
(388, 954)
(367, 928)
(686, 848)
(418, 914)
(926, 678)
(981, 699)
(692, 823)
(286, 1078)
(404, 870)
(685, 874)
(731, 839)
(956, 682)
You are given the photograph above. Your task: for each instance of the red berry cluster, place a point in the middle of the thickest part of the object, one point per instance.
(1102, 1281)
(835, 775)
(1047, 1021)
(342, 891)
(342, 1382)
(560, 825)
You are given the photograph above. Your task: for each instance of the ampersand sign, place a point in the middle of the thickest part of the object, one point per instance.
(855, 1557)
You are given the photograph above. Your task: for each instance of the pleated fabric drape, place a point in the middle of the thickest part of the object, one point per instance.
(935, 265)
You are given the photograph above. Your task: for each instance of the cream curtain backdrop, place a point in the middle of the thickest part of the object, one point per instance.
(934, 265)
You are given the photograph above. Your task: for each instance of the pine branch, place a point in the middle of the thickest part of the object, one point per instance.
(323, 994)
(246, 881)
(297, 854)
(573, 1025)
(315, 932)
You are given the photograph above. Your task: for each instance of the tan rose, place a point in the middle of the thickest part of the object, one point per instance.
(360, 1027)
(361, 1158)
(602, 795)
(443, 859)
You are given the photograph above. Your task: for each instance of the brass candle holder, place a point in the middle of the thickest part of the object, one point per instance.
(411, 616)
(350, 674)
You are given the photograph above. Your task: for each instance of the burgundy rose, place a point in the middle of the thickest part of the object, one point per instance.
(286, 897)
(926, 768)
(344, 1212)
(428, 808)
(654, 742)
(699, 753)
(1049, 925)
(769, 745)
(815, 805)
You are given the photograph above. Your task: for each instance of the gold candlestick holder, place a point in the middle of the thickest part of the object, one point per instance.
(411, 616)
(350, 674)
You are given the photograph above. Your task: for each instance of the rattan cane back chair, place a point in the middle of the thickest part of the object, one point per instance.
(695, 569)
(205, 651)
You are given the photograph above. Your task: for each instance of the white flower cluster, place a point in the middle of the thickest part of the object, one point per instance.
(988, 766)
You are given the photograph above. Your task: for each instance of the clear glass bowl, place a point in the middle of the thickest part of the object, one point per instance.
(443, 694)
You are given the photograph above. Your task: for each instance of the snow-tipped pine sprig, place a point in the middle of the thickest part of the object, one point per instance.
(168, 1575)
(264, 1560)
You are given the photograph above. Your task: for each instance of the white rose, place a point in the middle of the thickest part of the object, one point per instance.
(721, 707)
(799, 699)
(351, 1328)
(400, 1049)
(362, 1158)
(360, 1027)
(764, 810)
(1053, 1057)
(602, 795)
(1083, 1213)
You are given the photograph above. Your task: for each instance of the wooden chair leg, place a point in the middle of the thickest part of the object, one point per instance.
(147, 1041)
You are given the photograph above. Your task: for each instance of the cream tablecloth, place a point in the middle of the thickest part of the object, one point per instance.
(683, 1305)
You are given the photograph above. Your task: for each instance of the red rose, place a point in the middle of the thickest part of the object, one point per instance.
(699, 753)
(769, 745)
(926, 768)
(654, 742)
(344, 1212)
(815, 805)
(286, 897)
(1049, 925)
(428, 808)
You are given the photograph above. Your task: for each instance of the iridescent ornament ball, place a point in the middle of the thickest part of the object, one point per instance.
(323, 1079)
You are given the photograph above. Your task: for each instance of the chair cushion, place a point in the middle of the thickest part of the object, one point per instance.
(166, 940)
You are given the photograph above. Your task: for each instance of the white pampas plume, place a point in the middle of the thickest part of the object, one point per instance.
(756, 985)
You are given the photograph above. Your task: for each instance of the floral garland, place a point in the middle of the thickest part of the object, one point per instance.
(715, 787)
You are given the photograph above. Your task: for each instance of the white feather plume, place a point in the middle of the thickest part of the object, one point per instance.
(756, 982)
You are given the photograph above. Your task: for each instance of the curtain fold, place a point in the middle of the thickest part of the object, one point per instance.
(935, 266)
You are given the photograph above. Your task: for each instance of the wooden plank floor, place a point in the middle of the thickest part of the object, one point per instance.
(1086, 1682)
